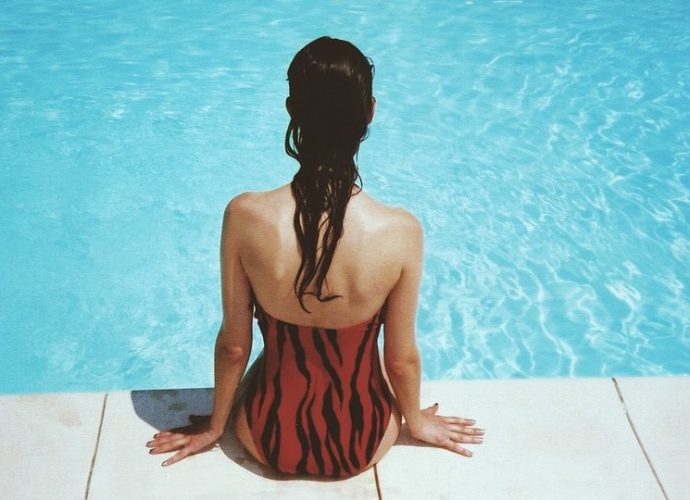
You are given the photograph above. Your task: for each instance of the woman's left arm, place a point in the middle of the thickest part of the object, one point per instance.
(234, 341)
(232, 348)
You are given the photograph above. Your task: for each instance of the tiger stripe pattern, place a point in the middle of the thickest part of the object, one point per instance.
(318, 402)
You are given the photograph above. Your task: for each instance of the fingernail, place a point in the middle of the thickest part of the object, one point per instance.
(149, 443)
(155, 435)
(472, 422)
(435, 404)
(164, 463)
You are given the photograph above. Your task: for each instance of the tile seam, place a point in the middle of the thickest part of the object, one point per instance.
(376, 480)
(95, 450)
(637, 437)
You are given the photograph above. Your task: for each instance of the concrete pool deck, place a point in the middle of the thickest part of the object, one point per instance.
(567, 438)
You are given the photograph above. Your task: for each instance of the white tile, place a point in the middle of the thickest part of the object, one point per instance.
(48, 442)
(545, 438)
(659, 408)
(124, 468)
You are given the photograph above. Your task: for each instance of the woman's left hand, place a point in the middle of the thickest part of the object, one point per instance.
(186, 440)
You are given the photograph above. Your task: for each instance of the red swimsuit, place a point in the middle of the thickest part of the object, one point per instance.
(318, 402)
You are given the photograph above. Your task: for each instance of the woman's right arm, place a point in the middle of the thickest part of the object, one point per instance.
(401, 355)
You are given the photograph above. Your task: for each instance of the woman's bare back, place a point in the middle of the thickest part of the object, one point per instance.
(366, 265)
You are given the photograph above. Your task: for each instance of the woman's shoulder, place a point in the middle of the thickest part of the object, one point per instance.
(251, 204)
(390, 215)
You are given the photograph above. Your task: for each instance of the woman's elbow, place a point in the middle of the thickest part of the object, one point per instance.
(232, 353)
(402, 364)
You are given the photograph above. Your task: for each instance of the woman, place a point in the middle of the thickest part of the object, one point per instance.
(320, 252)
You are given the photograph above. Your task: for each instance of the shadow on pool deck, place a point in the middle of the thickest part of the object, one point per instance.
(546, 438)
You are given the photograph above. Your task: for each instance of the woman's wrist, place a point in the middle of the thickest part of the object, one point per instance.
(414, 420)
(216, 429)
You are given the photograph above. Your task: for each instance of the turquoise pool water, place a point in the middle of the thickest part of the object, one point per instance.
(544, 146)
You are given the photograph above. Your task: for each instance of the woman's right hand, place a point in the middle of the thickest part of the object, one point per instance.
(446, 432)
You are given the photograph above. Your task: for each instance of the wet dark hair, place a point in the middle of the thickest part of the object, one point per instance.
(330, 107)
